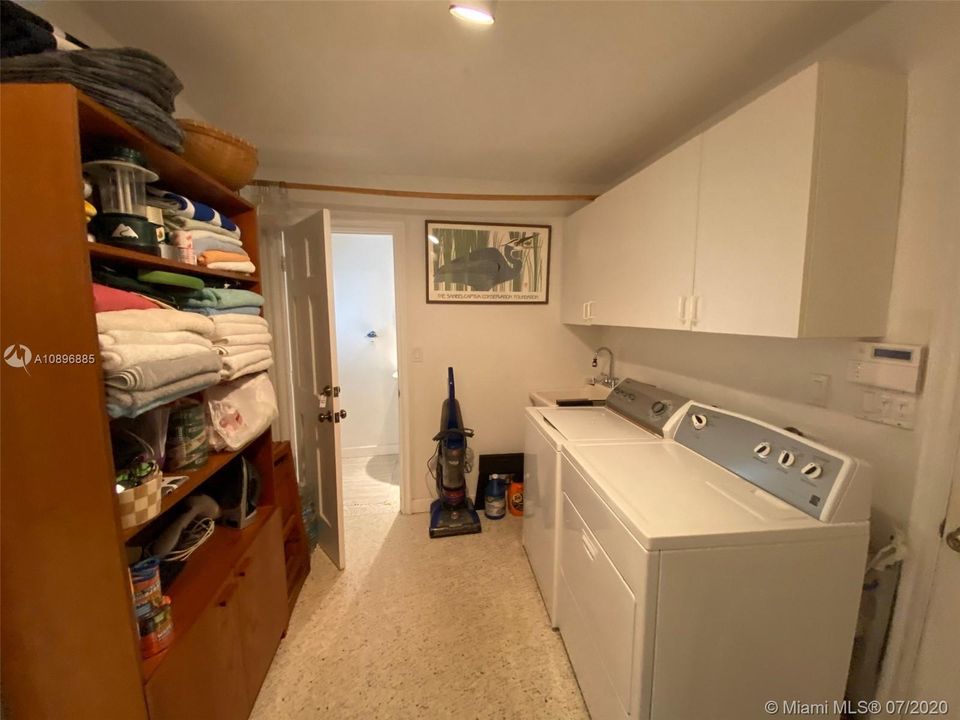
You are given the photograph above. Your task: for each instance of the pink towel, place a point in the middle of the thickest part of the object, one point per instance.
(106, 298)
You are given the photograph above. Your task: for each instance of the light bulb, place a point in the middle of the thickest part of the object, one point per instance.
(473, 13)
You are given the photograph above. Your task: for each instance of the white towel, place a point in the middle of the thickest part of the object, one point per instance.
(250, 369)
(237, 267)
(137, 337)
(119, 357)
(233, 364)
(234, 350)
(228, 318)
(241, 341)
(154, 321)
(179, 222)
(228, 330)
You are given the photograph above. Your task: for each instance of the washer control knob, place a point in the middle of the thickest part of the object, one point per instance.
(787, 458)
(812, 471)
(658, 407)
(699, 421)
(762, 450)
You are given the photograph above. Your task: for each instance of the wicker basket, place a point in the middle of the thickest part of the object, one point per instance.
(228, 158)
(142, 503)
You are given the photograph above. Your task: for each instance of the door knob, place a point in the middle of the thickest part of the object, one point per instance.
(329, 391)
(953, 539)
(338, 416)
(325, 417)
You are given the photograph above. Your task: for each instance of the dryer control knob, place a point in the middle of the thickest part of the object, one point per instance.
(787, 458)
(812, 471)
(762, 450)
(699, 421)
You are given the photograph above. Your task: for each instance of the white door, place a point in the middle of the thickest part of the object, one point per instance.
(937, 673)
(315, 379)
(648, 242)
(755, 182)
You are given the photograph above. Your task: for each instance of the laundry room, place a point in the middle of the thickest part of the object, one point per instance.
(483, 359)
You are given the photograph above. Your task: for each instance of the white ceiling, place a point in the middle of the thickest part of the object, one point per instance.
(561, 94)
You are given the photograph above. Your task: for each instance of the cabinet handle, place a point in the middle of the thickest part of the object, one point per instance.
(583, 311)
(590, 310)
(588, 545)
(695, 318)
(227, 595)
(682, 309)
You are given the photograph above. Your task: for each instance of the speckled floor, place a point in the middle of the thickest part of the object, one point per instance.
(420, 628)
(371, 485)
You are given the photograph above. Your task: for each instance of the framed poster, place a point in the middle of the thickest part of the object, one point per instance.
(487, 262)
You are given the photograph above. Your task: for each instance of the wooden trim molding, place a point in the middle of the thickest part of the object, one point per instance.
(423, 194)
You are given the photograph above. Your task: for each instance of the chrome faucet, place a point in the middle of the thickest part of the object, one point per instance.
(607, 379)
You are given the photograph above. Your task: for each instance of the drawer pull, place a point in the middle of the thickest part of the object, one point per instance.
(227, 595)
(588, 545)
(243, 567)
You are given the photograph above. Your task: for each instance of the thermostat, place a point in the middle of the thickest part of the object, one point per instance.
(895, 367)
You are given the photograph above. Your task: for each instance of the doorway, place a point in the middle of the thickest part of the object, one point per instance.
(366, 332)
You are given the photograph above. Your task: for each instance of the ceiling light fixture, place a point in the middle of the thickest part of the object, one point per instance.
(473, 11)
(434, 239)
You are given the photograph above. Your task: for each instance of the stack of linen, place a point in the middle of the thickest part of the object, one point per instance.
(220, 301)
(215, 238)
(243, 341)
(153, 357)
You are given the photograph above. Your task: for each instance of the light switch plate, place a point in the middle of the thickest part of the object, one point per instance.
(889, 408)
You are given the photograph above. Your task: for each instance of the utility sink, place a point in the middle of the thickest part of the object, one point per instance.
(586, 395)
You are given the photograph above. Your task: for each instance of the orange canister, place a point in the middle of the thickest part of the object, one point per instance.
(515, 497)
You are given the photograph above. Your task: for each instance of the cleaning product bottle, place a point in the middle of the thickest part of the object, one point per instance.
(495, 501)
(515, 496)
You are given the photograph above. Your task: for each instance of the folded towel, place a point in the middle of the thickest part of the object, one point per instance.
(119, 281)
(108, 299)
(121, 357)
(233, 364)
(237, 267)
(233, 350)
(124, 403)
(225, 331)
(249, 310)
(226, 319)
(250, 369)
(223, 345)
(140, 337)
(185, 207)
(218, 256)
(155, 320)
(203, 241)
(179, 222)
(220, 298)
(152, 375)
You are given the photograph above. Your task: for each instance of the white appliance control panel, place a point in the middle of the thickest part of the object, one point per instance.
(798, 471)
(883, 365)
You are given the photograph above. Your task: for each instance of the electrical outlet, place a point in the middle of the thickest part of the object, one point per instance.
(818, 389)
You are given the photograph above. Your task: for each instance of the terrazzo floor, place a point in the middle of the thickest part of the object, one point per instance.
(421, 628)
(371, 484)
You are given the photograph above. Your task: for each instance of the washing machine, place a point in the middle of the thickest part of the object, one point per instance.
(634, 412)
(711, 575)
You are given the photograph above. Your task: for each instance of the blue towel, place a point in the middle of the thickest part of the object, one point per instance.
(242, 310)
(191, 208)
(218, 298)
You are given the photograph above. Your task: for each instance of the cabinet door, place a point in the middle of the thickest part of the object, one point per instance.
(755, 185)
(201, 676)
(579, 280)
(262, 603)
(649, 234)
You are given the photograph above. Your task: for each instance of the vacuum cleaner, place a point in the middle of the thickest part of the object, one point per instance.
(452, 512)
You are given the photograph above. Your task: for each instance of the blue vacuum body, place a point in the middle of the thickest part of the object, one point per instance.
(452, 512)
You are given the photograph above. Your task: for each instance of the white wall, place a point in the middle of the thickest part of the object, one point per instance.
(364, 301)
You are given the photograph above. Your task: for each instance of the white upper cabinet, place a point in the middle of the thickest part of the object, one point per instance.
(780, 220)
(639, 242)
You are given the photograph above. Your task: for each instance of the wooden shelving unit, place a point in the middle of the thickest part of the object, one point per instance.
(75, 652)
(128, 258)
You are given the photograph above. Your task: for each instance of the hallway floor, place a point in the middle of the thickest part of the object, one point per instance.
(421, 628)
(371, 485)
